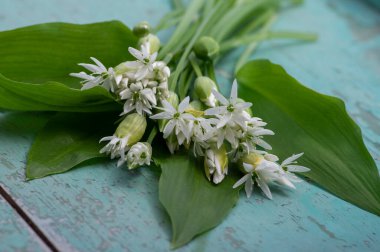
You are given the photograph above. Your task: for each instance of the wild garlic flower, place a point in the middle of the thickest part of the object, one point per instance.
(140, 154)
(100, 76)
(231, 111)
(264, 169)
(129, 132)
(145, 61)
(139, 96)
(216, 164)
(179, 122)
(202, 131)
(289, 165)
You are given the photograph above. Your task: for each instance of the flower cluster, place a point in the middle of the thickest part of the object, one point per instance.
(223, 132)
(139, 84)
(220, 130)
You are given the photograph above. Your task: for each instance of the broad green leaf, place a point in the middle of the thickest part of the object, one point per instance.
(46, 54)
(53, 96)
(51, 51)
(194, 204)
(306, 121)
(67, 140)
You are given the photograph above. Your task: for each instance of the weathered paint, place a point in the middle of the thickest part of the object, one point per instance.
(101, 207)
(15, 234)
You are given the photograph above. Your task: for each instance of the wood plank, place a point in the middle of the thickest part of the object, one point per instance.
(15, 234)
(101, 207)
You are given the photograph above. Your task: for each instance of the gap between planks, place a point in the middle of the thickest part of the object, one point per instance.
(27, 219)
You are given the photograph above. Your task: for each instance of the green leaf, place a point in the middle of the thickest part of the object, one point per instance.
(306, 121)
(67, 140)
(51, 51)
(54, 96)
(48, 53)
(194, 204)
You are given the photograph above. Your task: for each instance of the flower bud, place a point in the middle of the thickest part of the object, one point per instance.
(174, 101)
(206, 48)
(153, 41)
(142, 29)
(133, 126)
(140, 154)
(203, 86)
(216, 164)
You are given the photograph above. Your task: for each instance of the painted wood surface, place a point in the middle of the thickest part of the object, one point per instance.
(15, 234)
(100, 207)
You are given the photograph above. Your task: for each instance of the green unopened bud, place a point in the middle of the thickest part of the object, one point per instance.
(206, 48)
(216, 164)
(203, 86)
(196, 105)
(154, 42)
(142, 29)
(248, 110)
(174, 101)
(133, 126)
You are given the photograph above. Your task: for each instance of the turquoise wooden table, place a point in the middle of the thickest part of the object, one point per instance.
(104, 208)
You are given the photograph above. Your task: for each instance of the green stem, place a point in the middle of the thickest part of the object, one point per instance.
(266, 21)
(232, 43)
(195, 66)
(152, 135)
(182, 27)
(182, 62)
(211, 72)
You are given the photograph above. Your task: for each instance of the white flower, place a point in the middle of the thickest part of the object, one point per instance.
(145, 61)
(139, 154)
(289, 166)
(231, 134)
(99, 76)
(216, 164)
(202, 131)
(161, 72)
(130, 130)
(179, 122)
(117, 147)
(231, 111)
(263, 169)
(139, 96)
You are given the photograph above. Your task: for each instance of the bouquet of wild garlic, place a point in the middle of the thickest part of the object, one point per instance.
(160, 106)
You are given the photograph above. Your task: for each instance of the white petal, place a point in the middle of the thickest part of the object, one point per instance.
(233, 95)
(216, 111)
(97, 62)
(248, 187)
(92, 68)
(291, 159)
(184, 104)
(168, 128)
(242, 180)
(263, 144)
(168, 107)
(136, 53)
(297, 168)
(162, 115)
(220, 97)
(247, 167)
(264, 187)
